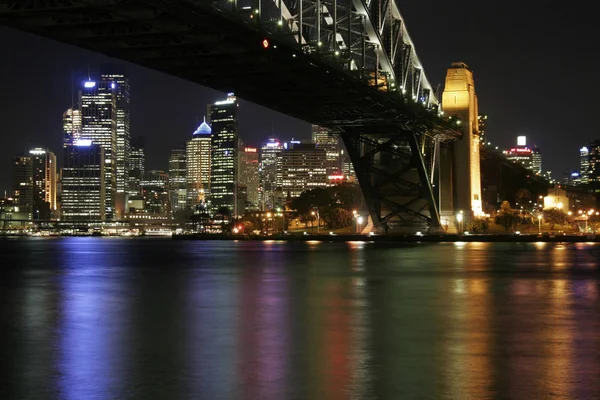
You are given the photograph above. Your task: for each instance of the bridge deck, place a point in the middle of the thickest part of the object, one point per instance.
(218, 50)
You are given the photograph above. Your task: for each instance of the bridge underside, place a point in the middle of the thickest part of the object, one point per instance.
(387, 136)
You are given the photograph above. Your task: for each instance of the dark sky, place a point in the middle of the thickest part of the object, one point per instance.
(534, 66)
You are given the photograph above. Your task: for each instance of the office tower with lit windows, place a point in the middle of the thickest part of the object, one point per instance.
(22, 184)
(83, 191)
(98, 105)
(137, 165)
(44, 182)
(178, 179)
(271, 195)
(198, 155)
(303, 168)
(224, 155)
(71, 126)
(324, 139)
(594, 162)
(34, 184)
(119, 85)
(536, 161)
(529, 158)
(248, 172)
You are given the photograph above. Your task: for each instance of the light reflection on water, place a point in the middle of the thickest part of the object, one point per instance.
(88, 318)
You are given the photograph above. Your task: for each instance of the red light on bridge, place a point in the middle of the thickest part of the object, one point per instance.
(265, 43)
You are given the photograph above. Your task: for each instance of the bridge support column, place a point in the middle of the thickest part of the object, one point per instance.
(459, 102)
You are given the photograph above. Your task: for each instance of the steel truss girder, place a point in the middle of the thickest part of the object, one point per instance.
(394, 178)
(366, 38)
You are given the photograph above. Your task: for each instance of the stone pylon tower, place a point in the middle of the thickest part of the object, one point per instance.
(459, 102)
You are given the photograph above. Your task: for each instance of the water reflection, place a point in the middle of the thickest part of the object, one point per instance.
(105, 319)
(92, 355)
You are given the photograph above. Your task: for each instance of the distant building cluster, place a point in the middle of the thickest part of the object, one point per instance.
(104, 176)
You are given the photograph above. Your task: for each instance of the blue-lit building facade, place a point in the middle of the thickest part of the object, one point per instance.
(224, 155)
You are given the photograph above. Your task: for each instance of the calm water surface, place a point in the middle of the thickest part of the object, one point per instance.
(102, 318)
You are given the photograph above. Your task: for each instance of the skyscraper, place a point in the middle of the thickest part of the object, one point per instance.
(83, 192)
(178, 179)
(119, 85)
(44, 183)
(198, 155)
(98, 105)
(249, 160)
(34, 183)
(324, 139)
(137, 165)
(584, 165)
(270, 174)
(224, 155)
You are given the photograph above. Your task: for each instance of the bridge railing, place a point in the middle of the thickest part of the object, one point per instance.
(367, 39)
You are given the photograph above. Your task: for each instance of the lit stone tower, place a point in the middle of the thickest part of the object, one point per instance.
(459, 102)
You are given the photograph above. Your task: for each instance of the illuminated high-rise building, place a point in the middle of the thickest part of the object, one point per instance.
(248, 171)
(198, 156)
(529, 158)
(119, 85)
(44, 182)
(98, 105)
(271, 195)
(83, 193)
(224, 155)
(178, 179)
(324, 139)
(584, 165)
(34, 184)
(303, 168)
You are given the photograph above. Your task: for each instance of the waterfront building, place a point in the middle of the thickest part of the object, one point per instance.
(83, 192)
(198, 164)
(154, 189)
(34, 184)
(224, 155)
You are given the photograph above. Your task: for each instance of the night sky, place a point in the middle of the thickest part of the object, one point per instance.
(534, 68)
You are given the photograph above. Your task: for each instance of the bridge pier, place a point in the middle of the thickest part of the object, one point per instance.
(461, 173)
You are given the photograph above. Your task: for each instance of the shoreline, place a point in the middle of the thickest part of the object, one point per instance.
(398, 238)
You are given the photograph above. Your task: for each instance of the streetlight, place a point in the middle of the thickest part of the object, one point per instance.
(359, 221)
(459, 218)
(318, 218)
(540, 223)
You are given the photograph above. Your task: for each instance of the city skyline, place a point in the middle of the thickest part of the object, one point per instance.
(504, 69)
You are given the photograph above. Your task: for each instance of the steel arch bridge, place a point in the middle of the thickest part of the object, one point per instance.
(349, 65)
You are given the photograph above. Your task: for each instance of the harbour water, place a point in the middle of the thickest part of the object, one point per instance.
(155, 318)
